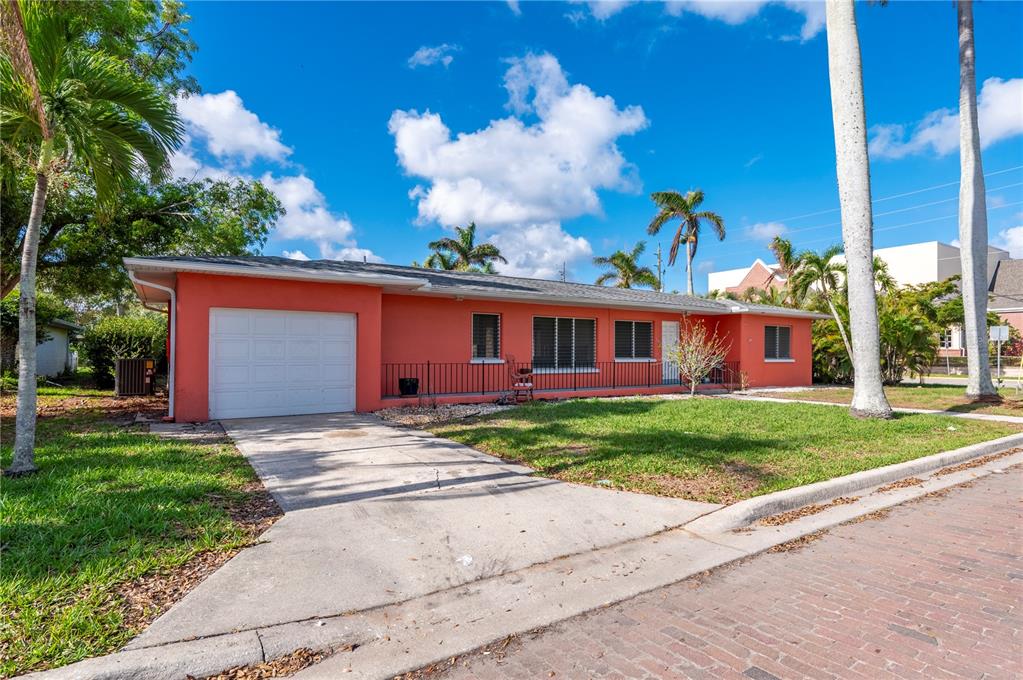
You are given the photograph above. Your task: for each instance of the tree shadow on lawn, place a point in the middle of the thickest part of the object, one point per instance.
(109, 499)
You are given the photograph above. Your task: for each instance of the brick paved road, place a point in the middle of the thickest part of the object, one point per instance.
(933, 590)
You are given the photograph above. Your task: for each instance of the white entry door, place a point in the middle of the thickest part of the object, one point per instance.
(669, 339)
(274, 363)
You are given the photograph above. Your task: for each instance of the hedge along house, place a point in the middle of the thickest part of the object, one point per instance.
(261, 336)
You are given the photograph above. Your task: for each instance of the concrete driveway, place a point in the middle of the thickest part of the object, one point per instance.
(376, 514)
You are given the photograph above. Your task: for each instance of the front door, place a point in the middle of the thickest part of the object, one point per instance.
(669, 340)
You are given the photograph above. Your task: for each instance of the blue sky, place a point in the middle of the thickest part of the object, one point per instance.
(381, 126)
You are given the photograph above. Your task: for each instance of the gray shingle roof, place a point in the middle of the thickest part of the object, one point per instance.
(1007, 285)
(481, 285)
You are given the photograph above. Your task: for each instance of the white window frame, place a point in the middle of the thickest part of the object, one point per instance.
(633, 359)
(472, 343)
(779, 360)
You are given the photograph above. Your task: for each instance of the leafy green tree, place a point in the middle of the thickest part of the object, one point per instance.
(623, 269)
(80, 251)
(66, 105)
(685, 208)
(818, 279)
(463, 253)
(48, 308)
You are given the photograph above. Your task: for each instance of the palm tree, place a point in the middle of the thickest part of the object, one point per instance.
(848, 109)
(66, 104)
(972, 217)
(819, 274)
(788, 263)
(468, 256)
(624, 270)
(675, 206)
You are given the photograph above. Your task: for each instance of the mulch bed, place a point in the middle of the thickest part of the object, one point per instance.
(281, 667)
(805, 511)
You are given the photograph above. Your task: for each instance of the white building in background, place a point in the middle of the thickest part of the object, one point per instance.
(909, 265)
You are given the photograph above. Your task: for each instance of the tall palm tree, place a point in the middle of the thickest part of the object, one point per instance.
(674, 206)
(819, 275)
(623, 269)
(845, 71)
(972, 216)
(66, 104)
(467, 254)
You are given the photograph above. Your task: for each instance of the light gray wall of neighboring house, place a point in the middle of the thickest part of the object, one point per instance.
(53, 357)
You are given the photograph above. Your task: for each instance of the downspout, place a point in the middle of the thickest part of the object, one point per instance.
(173, 314)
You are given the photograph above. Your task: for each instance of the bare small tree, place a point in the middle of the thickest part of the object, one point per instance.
(698, 352)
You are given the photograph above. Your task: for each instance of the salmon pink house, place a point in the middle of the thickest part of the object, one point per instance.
(262, 336)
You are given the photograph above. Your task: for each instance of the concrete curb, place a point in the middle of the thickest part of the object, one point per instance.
(746, 512)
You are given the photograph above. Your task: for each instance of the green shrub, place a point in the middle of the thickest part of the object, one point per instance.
(122, 337)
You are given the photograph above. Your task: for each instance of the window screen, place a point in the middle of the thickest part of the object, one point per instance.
(486, 336)
(777, 342)
(634, 340)
(560, 342)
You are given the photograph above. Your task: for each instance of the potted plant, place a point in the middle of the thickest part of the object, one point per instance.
(408, 387)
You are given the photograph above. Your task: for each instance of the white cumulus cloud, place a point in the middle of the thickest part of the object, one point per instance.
(295, 255)
(732, 12)
(438, 54)
(513, 177)
(229, 130)
(999, 110)
(766, 231)
(224, 139)
(1011, 239)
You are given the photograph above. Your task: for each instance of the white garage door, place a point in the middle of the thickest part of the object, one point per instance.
(272, 363)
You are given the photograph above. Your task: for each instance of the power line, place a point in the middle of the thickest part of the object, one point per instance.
(881, 214)
(902, 195)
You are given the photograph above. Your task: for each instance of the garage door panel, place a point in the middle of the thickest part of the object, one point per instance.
(268, 362)
(266, 350)
(269, 323)
(231, 349)
(230, 321)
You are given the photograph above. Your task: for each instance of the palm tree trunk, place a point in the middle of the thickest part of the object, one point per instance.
(850, 121)
(25, 421)
(689, 267)
(841, 329)
(972, 217)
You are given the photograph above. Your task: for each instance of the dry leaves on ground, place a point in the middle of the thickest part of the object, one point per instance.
(976, 462)
(281, 667)
(806, 510)
(798, 543)
(901, 484)
(419, 416)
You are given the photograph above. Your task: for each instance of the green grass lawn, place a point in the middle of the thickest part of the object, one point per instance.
(110, 504)
(708, 449)
(937, 397)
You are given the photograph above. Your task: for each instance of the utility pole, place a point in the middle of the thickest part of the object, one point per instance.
(660, 270)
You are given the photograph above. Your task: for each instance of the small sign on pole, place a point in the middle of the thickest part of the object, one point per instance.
(999, 334)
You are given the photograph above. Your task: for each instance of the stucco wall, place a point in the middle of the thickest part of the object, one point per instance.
(197, 293)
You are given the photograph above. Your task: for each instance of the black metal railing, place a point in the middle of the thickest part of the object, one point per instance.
(439, 378)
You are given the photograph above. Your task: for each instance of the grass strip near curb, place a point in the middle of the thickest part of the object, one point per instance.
(708, 449)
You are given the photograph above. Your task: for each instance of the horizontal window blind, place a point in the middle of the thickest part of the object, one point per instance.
(561, 342)
(777, 342)
(634, 340)
(486, 336)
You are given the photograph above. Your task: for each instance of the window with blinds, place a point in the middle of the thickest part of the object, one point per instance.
(486, 336)
(560, 342)
(777, 343)
(634, 340)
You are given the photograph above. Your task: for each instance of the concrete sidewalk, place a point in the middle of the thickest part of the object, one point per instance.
(761, 395)
(376, 515)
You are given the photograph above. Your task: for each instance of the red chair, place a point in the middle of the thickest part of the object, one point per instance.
(521, 379)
